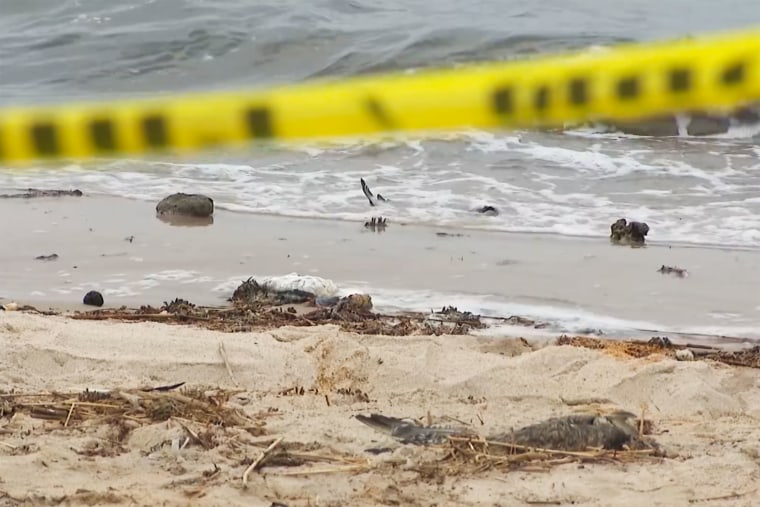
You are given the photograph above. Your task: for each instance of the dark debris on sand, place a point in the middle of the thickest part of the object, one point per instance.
(31, 193)
(663, 346)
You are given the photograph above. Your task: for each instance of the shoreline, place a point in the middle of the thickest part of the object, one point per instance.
(580, 283)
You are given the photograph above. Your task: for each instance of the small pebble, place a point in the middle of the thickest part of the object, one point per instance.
(93, 298)
(684, 355)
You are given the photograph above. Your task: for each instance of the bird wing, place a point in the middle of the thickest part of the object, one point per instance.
(368, 193)
(409, 432)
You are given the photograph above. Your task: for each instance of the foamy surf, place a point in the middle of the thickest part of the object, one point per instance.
(695, 191)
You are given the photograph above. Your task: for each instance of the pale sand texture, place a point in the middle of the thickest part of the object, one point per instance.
(567, 273)
(706, 413)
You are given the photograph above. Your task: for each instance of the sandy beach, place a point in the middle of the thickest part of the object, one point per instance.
(704, 414)
(91, 236)
(65, 441)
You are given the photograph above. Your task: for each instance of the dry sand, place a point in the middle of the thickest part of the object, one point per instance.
(705, 414)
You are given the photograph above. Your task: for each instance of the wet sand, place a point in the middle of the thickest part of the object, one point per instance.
(204, 264)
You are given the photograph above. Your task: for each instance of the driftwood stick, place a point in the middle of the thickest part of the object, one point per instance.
(223, 353)
(71, 411)
(260, 460)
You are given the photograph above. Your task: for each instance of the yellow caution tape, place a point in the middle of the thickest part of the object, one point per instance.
(627, 82)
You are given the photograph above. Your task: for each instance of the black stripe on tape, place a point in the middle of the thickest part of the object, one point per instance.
(154, 131)
(103, 136)
(680, 80)
(259, 121)
(541, 99)
(734, 74)
(45, 139)
(578, 92)
(628, 88)
(502, 101)
(377, 111)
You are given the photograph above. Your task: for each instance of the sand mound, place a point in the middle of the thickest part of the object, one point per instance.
(303, 385)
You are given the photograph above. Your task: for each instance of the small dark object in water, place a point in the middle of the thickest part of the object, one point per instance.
(129, 238)
(50, 257)
(679, 272)
(93, 298)
(376, 223)
(661, 341)
(449, 234)
(33, 192)
(630, 233)
(368, 194)
(488, 210)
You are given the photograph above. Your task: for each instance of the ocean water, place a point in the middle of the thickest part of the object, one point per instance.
(694, 190)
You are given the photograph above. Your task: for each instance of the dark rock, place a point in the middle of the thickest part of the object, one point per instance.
(193, 205)
(747, 114)
(705, 125)
(657, 127)
(93, 298)
(50, 257)
(33, 192)
(628, 233)
(488, 210)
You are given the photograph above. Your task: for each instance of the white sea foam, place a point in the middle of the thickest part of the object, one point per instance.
(694, 190)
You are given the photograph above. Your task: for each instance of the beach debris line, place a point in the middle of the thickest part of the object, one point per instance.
(623, 232)
(253, 309)
(667, 270)
(748, 357)
(93, 298)
(31, 193)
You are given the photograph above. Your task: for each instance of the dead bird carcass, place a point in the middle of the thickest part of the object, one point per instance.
(615, 431)
(286, 289)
